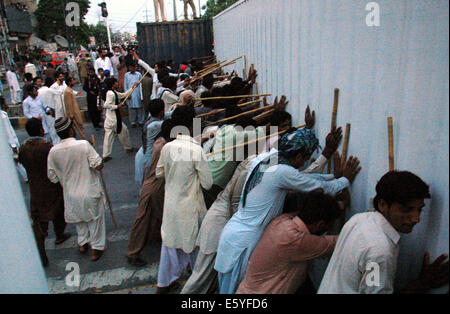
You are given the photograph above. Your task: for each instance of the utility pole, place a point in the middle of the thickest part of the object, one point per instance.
(175, 10)
(199, 8)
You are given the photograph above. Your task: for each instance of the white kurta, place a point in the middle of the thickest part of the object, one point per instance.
(73, 163)
(14, 86)
(183, 164)
(47, 96)
(31, 68)
(103, 64)
(366, 240)
(58, 99)
(12, 137)
(34, 108)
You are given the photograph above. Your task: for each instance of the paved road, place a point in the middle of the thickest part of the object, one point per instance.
(112, 273)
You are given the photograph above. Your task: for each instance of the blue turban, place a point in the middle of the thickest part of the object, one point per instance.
(302, 139)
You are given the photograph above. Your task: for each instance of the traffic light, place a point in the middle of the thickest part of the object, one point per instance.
(104, 10)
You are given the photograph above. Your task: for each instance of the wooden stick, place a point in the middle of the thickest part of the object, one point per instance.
(134, 88)
(232, 97)
(241, 115)
(215, 69)
(346, 142)
(209, 66)
(104, 187)
(250, 142)
(334, 117)
(245, 68)
(391, 143)
(222, 110)
(263, 115)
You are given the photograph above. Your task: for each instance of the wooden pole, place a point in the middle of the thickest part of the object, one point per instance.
(245, 68)
(222, 110)
(334, 117)
(346, 142)
(215, 69)
(232, 97)
(241, 115)
(250, 142)
(391, 143)
(104, 188)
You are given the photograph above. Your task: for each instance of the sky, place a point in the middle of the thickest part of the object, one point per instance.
(123, 14)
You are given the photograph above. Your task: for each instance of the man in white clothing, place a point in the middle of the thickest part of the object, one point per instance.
(57, 89)
(74, 163)
(13, 83)
(47, 96)
(365, 258)
(183, 165)
(30, 68)
(12, 137)
(33, 107)
(103, 62)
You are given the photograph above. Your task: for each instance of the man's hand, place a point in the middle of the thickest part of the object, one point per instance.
(15, 150)
(282, 104)
(135, 55)
(332, 142)
(351, 168)
(136, 85)
(310, 119)
(434, 275)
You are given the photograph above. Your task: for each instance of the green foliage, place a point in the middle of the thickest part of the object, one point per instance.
(50, 15)
(214, 7)
(100, 33)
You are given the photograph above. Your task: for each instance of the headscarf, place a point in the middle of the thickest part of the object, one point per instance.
(184, 95)
(302, 139)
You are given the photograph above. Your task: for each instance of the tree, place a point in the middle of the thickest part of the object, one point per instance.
(214, 7)
(51, 17)
(100, 33)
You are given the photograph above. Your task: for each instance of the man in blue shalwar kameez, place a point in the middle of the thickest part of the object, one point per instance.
(135, 100)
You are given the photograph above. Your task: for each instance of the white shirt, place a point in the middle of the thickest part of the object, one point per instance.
(12, 137)
(34, 108)
(58, 99)
(115, 63)
(110, 106)
(367, 240)
(183, 164)
(13, 82)
(73, 163)
(31, 68)
(104, 64)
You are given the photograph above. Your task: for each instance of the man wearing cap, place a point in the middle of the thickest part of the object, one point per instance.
(74, 163)
(272, 175)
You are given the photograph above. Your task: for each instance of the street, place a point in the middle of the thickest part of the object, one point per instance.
(112, 273)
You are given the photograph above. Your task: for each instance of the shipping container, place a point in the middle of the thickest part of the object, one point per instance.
(396, 68)
(178, 41)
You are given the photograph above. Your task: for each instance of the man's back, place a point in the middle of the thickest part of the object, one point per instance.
(367, 248)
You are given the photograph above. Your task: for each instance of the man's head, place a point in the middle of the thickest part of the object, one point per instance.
(184, 116)
(166, 129)
(60, 77)
(101, 73)
(132, 67)
(208, 81)
(107, 73)
(70, 81)
(298, 146)
(91, 72)
(116, 50)
(157, 108)
(112, 84)
(317, 210)
(33, 91)
(37, 81)
(170, 83)
(281, 119)
(64, 129)
(48, 81)
(102, 53)
(400, 198)
(28, 77)
(34, 127)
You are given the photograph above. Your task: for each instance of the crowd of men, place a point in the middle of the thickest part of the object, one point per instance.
(241, 220)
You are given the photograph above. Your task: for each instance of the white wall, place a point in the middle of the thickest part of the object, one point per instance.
(304, 49)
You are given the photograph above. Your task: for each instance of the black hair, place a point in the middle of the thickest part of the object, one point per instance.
(50, 65)
(184, 116)
(156, 106)
(110, 82)
(278, 117)
(169, 82)
(245, 122)
(28, 76)
(400, 187)
(2, 101)
(207, 103)
(166, 129)
(30, 88)
(49, 81)
(208, 81)
(317, 206)
(37, 78)
(34, 127)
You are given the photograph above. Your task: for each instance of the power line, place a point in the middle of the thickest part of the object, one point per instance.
(137, 12)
